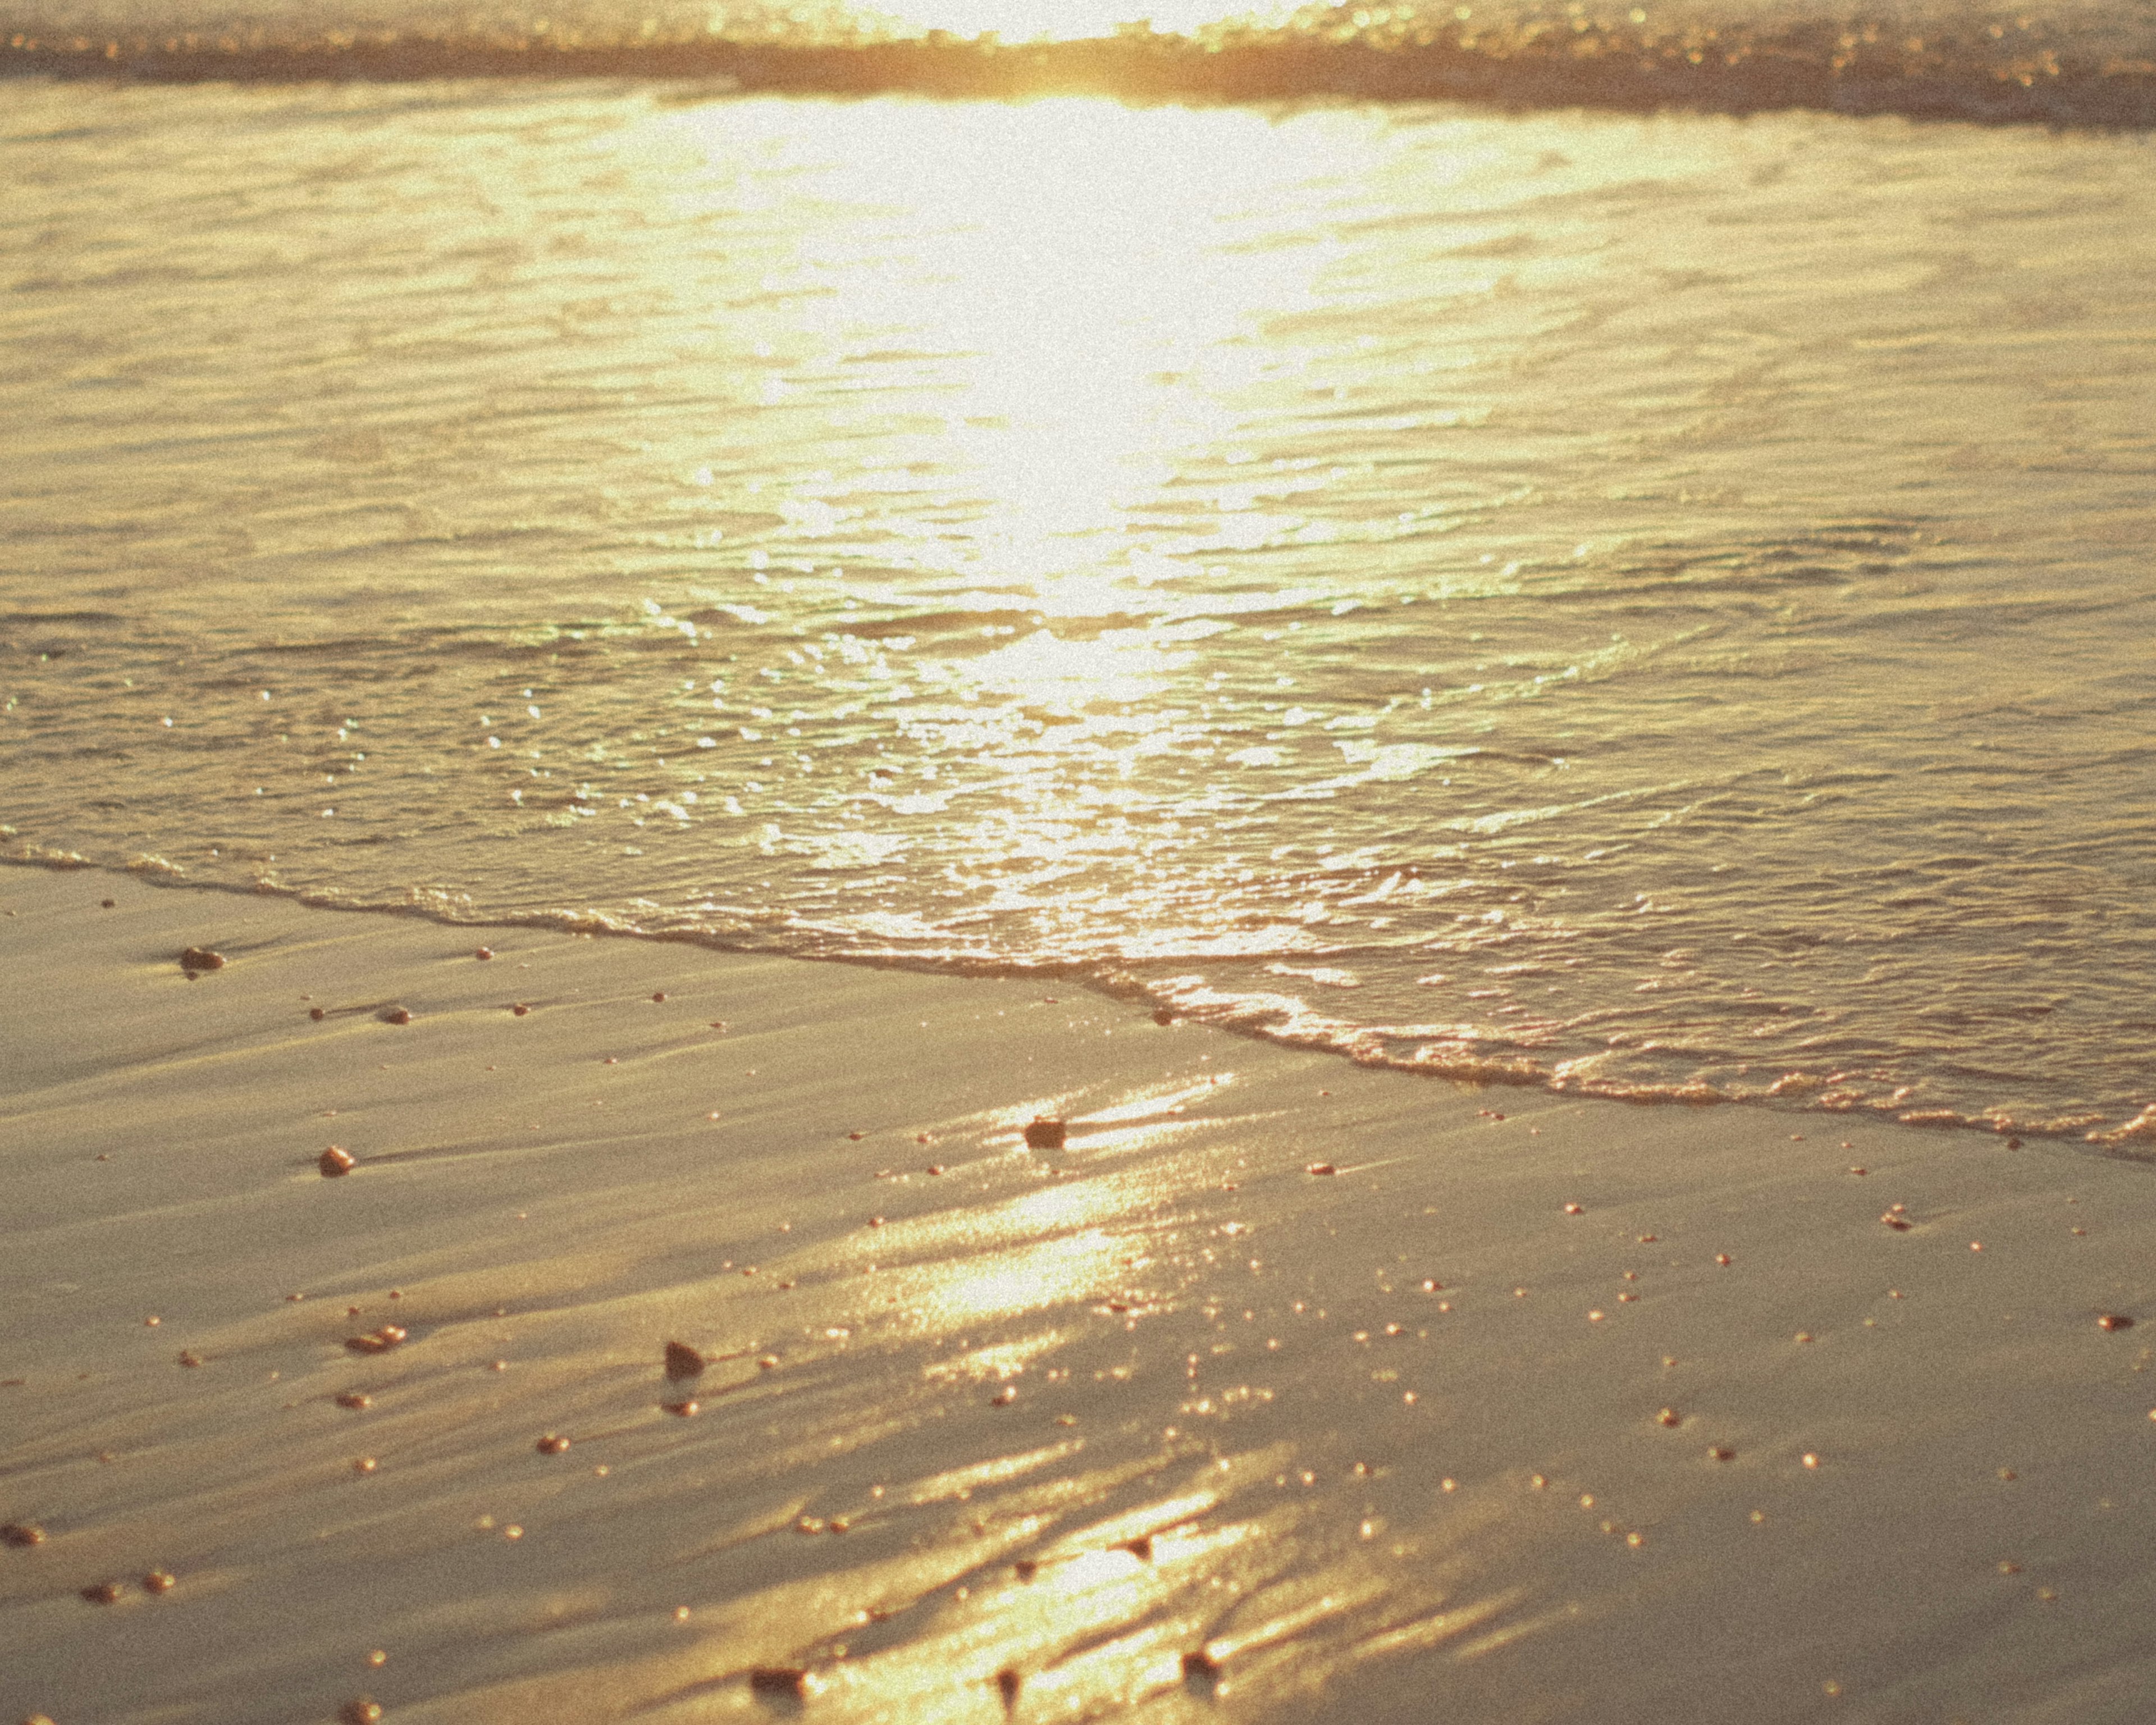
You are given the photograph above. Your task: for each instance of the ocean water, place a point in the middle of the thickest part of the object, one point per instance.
(1568, 591)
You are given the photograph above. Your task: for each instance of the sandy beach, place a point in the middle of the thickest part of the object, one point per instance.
(1280, 1390)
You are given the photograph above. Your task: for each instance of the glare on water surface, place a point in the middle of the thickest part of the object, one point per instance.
(1027, 20)
(1491, 595)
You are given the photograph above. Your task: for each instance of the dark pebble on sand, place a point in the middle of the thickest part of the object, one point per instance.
(551, 1445)
(102, 1593)
(202, 958)
(159, 1581)
(395, 1015)
(361, 1710)
(1200, 1668)
(1043, 1134)
(1007, 1685)
(316, 1013)
(778, 1680)
(520, 1008)
(683, 1361)
(2114, 1320)
(22, 1533)
(1321, 1167)
(334, 1161)
(379, 1341)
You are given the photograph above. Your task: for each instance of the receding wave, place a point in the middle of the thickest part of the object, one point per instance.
(1462, 1054)
(1966, 63)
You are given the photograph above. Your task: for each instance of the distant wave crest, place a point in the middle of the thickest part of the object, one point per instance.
(1969, 64)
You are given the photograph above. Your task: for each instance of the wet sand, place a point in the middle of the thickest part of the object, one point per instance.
(1529, 1410)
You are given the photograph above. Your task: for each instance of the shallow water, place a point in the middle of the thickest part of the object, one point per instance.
(1651, 605)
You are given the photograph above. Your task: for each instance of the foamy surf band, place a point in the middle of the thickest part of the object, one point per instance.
(1822, 64)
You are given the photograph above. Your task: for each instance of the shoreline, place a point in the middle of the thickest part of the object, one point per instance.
(1161, 1421)
(2116, 1140)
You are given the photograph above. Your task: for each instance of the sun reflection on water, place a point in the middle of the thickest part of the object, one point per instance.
(1067, 20)
(1073, 282)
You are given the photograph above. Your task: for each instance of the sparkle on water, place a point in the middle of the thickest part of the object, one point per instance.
(1517, 597)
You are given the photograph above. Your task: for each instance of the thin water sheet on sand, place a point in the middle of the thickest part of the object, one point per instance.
(1280, 1390)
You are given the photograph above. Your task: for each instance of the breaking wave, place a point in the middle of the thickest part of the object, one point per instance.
(2090, 67)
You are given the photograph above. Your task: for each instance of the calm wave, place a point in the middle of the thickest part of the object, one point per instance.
(1655, 607)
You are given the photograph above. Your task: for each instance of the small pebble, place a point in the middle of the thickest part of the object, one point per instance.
(1007, 1683)
(379, 1341)
(202, 958)
(483, 952)
(316, 1013)
(28, 1533)
(365, 1464)
(354, 1399)
(780, 1679)
(1163, 1016)
(1575, 1209)
(520, 1008)
(190, 1358)
(2114, 1320)
(1003, 1398)
(1321, 1167)
(1722, 1259)
(552, 1444)
(1721, 1452)
(1669, 1416)
(1044, 1134)
(659, 999)
(683, 1361)
(335, 1161)
(102, 1593)
(682, 1410)
(1199, 1667)
(159, 1581)
(361, 1710)
(395, 1015)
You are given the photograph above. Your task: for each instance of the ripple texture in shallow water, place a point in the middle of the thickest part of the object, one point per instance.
(1656, 607)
